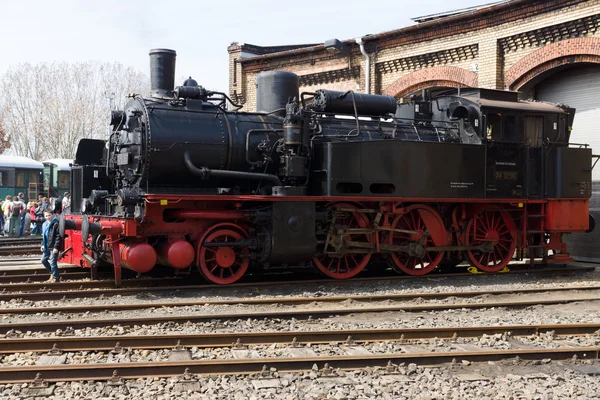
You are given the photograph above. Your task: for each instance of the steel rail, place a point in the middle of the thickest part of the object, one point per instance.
(130, 283)
(21, 249)
(166, 341)
(51, 326)
(290, 300)
(64, 274)
(18, 241)
(82, 289)
(26, 273)
(106, 371)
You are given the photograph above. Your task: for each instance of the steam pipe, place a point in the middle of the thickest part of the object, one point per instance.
(206, 173)
(367, 65)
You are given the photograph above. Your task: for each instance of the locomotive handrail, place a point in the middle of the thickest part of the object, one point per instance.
(302, 97)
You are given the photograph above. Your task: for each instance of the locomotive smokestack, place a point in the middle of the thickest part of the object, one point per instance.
(162, 73)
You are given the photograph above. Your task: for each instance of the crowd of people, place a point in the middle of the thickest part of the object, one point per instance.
(19, 219)
(36, 218)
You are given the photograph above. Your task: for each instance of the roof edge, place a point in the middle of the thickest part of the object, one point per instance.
(493, 7)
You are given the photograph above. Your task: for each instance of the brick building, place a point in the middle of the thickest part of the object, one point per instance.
(547, 49)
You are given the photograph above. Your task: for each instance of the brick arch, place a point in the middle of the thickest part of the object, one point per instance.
(569, 51)
(428, 77)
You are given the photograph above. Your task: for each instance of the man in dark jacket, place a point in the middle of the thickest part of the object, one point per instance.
(51, 245)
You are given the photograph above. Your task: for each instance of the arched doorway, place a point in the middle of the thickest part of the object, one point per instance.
(442, 78)
(578, 86)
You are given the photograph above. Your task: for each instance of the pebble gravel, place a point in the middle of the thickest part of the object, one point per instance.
(548, 379)
(493, 381)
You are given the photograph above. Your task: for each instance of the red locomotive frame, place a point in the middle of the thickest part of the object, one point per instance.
(486, 234)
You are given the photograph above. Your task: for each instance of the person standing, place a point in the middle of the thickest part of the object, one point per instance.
(34, 220)
(5, 209)
(15, 211)
(66, 203)
(51, 245)
(23, 214)
(1, 218)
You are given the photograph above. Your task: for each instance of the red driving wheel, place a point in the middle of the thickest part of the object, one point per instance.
(495, 226)
(223, 265)
(347, 265)
(420, 218)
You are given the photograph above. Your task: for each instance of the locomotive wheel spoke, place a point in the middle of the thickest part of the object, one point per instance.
(495, 226)
(419, 218)
(222, 265)
(350, 264)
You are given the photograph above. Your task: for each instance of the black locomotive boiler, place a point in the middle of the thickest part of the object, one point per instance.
(336, 179)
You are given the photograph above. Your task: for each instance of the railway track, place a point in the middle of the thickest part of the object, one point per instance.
(237, 340)
(8, 241)
(38, 291)
(114, 372)
(65, 273)
(54, 325)
(21, 249)
(20, 246)
(298, 301)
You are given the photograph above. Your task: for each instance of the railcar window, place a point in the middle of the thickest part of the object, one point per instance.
(3, 178)
(33, 177)
(534, 130)
(63, 180)
(20, 179)
(494, 126)
(511, 133)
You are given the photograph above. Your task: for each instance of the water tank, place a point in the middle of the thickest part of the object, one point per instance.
(274, 89)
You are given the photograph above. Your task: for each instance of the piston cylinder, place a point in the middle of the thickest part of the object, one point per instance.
(178, 254)
(139, 257)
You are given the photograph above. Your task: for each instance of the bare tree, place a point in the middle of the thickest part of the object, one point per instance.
(48, 107)
(4, 143)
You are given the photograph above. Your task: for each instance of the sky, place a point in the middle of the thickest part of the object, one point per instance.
(200, 31)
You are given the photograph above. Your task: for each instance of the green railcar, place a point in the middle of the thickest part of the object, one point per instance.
(57, 177)
(20, 175)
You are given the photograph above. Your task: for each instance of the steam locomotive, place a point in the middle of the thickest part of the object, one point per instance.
(339, 180)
